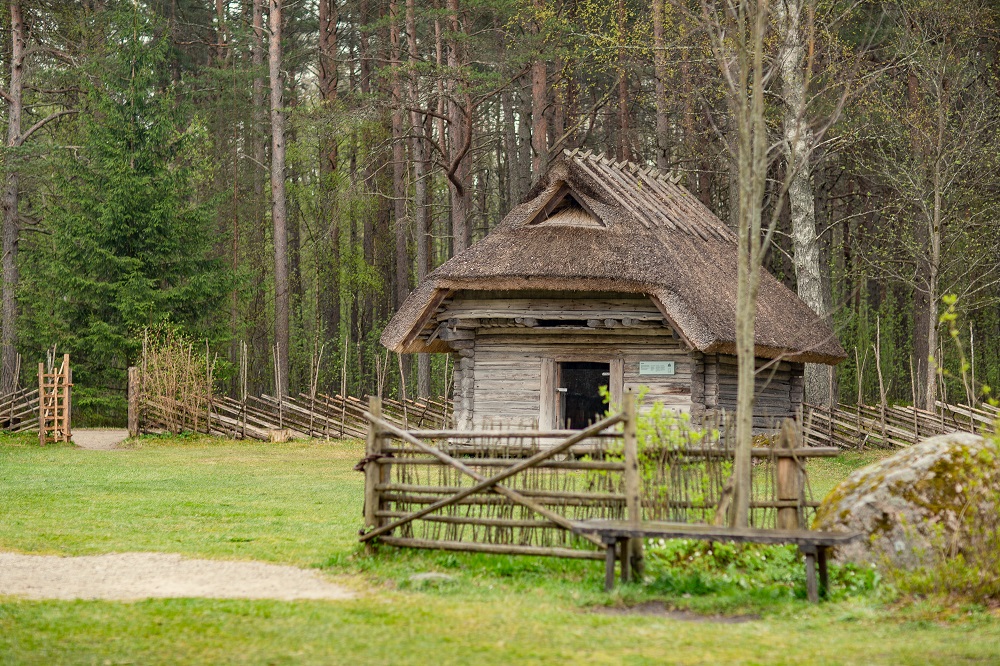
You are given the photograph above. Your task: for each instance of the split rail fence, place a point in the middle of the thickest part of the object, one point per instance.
(266, 417)
(892, 426)
(518, 492)
(46, 408)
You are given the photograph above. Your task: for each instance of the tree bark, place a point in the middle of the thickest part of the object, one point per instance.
(460, 131)
(11, 221)
(329, 290)
(539, 103)
(660, 72)
(539, 123)
(399, 170)
(747, 101)
(419, 183)
(279, 212)
(798, 145)
(624, 141)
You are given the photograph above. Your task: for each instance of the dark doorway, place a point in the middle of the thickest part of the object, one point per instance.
(582, 403)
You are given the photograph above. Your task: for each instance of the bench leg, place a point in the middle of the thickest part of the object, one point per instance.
(626, 559)
(811, 592)
(824, 579)
(609, 566)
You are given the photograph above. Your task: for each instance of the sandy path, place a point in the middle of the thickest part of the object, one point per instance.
(99, 439)
(132, 576)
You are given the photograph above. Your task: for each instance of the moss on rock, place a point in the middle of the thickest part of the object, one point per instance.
(914, 501)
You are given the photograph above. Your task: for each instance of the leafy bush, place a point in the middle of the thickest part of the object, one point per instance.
(682, 567)
(662, 433)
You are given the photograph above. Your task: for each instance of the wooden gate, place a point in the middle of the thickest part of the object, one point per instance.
(515, 492)
(54, 402)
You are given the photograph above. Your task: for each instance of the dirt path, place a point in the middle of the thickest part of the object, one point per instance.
(99, 439)
(132, 576)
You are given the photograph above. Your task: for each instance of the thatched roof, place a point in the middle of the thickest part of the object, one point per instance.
(591, 224)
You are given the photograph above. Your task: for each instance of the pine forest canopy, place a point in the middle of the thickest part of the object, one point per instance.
(268, 171)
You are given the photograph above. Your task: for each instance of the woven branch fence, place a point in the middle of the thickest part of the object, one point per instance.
(409, 472)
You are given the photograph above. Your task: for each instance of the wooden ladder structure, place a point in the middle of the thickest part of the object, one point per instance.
(54, 402)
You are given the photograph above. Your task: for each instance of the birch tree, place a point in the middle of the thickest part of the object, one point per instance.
(798, 146)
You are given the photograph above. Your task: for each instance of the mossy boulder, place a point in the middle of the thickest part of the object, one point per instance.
(914, 503)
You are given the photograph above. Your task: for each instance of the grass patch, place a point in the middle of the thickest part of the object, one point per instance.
(300, 503)
(825, 473)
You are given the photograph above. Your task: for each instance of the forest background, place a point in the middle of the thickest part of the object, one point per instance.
(270, 178)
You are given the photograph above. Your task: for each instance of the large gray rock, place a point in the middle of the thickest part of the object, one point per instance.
(916, 503)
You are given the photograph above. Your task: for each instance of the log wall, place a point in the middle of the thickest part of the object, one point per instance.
(508, 350)
(778, 388)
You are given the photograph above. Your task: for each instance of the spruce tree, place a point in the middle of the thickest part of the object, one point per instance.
(132, 241)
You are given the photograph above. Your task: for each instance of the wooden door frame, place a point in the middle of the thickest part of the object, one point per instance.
(548, 408)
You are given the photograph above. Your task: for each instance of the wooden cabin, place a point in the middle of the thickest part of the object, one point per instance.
(608, 274)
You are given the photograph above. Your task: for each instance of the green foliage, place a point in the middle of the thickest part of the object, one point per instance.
(131, 243)
(662, 432)
(697, 568)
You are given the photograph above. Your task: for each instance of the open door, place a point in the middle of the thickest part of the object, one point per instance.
(580, 393)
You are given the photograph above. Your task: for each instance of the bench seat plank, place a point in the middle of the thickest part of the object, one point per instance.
(623, 529)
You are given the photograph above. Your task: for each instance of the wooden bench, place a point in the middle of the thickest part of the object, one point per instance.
(617, 533)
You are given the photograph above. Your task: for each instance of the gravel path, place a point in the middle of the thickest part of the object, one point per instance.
(133, 576)
(99, 439)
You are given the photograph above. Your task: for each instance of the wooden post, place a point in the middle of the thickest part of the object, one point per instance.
(41, 404)
(633, 489)
(812, 589)
(789, 482)
(373, 476)
(67, 400)
(133, 401)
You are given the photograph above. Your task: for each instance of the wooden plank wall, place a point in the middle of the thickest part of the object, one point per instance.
(509, 378)
(779, 388)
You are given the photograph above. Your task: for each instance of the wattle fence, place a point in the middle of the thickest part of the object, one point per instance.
(518, 492)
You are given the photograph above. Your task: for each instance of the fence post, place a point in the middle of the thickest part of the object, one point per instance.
(68, 400)
(41, 404)
(373, 473)
(133, 401)
(789, 481)
(633, 489)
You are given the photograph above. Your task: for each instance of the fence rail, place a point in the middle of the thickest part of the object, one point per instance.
(266, 417)
(892, 426)
(19, 410)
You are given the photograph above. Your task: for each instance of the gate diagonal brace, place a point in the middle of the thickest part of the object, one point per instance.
(490, 483)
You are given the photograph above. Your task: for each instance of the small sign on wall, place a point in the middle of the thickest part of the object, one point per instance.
(656, 367)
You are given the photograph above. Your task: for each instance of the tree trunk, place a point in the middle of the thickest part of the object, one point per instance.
(798, 145)
(747, 100)
(660, 72)
(419, 184)
(329, 288)
(399, 185)
(460, 138)
(11, 221)
(279, 213)
(933, 272)
(624, 141)
(539, 123)
(524, 146)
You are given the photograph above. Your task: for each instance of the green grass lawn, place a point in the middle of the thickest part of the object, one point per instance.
(300, 504)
